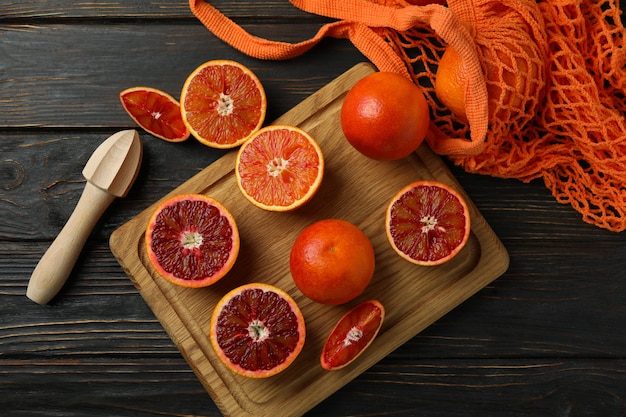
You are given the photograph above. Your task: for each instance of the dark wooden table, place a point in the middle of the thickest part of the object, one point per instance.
(545, 339)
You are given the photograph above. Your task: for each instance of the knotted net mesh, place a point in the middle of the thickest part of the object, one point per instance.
(567, 121)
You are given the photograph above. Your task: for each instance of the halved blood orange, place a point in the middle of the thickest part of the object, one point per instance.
(223, 103)
(257, 330)
(427, 222)
(352, 334)
(192, 240)
(279, 168)
(157, 112)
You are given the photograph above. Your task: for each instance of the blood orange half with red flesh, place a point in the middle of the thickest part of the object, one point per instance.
(192, 240)
(223, 103)
(279, 168)
(352, 334)
(257, 330)
(427, 223)
(157, 112)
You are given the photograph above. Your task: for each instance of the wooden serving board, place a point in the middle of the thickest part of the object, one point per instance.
(354, 188)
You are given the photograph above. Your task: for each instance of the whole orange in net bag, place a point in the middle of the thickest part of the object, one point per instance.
(543, 84)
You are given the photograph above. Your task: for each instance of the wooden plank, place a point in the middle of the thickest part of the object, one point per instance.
(42, 179)
(128, 384)
(484, 388)
(153, 10)
(487, 387)
(544, 339)
(542, 308)
(41, 182)
(91, 64)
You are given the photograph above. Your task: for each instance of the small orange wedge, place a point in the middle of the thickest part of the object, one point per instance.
(157, 112)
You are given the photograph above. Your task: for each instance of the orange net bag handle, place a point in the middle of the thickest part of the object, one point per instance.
(233, 34)
(357, 18)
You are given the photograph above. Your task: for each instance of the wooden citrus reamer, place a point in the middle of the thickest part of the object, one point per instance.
(110, 172)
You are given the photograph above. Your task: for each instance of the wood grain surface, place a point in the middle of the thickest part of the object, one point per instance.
(544, 339)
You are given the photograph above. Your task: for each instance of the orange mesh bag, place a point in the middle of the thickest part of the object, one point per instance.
(544, 90)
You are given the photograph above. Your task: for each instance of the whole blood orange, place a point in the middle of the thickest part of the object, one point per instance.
(385, 116)
(510, 73)
(192, 240)
(450, 83)
(157, 112)
(223, 103)
(332, 261)
(427, 222)
(257, 330)
(279, 168)
(352, 334)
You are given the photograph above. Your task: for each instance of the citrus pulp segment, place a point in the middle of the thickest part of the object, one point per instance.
(332, 261)
(223, 103)
(257, 330)
(352, 334)
(157, 112)
(427, 222)
(279, 168)
(192, 240)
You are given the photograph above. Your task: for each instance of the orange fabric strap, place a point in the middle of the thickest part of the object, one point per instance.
(371, 44)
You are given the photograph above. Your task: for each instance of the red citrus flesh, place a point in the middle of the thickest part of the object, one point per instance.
(279, 168)
(223, 103)
(427, 223)
(192, 240)
(257, 330)
(352, 334)
(157, 112)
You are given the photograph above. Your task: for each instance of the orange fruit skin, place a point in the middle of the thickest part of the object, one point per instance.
(198, 256)
(223, 103)
(354, 332)
(385, 116)
(279, 168)
(240, 338)
(332, 261)
(157, 112)
(451, 80)
(440, 235)
(450, 83)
